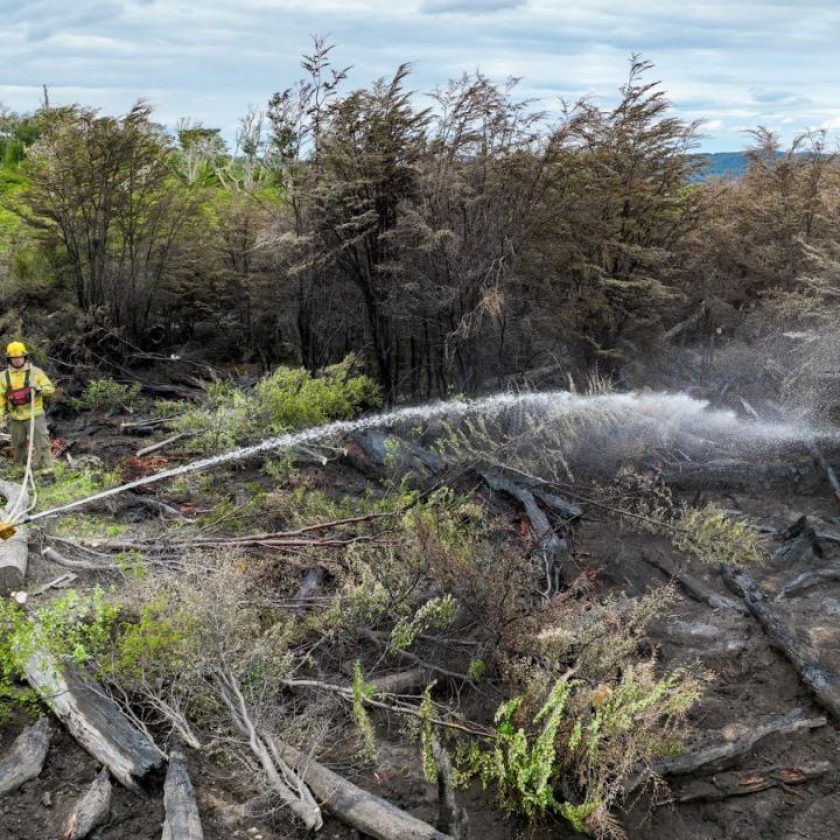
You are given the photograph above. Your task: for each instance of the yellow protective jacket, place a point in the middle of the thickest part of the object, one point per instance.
(14, 378)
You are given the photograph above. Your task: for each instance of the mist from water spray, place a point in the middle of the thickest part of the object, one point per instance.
(669, 415)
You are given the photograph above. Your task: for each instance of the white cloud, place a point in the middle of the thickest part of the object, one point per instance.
(472, 7)
(733, 64)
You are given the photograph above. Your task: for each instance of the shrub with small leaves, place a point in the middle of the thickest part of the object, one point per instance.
(438, 612)
(362, 691)
(106, 394)
(283, 401)
(709, 533)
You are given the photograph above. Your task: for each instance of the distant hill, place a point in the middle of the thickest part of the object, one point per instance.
(722, 165)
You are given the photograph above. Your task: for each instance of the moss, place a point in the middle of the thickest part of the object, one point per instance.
(69, 485)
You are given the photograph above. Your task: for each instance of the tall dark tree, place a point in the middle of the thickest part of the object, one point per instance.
(297, 116)
(369, 149)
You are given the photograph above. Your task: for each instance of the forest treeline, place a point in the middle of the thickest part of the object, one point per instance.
(447, 249)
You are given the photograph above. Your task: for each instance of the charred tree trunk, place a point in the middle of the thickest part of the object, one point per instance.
(824, 684)
(182, 819)
(367, 813)
(25, 759)
(721, 754)
(559, 567)
(94, 720)
(695, 587)
(91, 810)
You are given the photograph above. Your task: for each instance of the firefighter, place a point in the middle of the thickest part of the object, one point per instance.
(25, 387)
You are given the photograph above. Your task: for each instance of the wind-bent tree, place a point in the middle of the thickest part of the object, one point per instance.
(627, 208)
(463, 238)
(755, 232)
(101, 195)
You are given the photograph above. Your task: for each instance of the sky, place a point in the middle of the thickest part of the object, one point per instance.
(735, 65)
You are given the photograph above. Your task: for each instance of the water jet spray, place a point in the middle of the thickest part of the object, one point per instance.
(668, 413)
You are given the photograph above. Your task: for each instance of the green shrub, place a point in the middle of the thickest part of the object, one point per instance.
(361, 692)
(283, 401)
(292, 399)
(437, 612)
(710, 533)
(73, 627)
(107, 394)
(521, 764)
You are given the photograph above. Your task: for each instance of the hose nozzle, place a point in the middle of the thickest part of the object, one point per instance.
(7, 530)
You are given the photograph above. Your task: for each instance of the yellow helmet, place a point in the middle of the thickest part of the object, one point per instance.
(15, 349)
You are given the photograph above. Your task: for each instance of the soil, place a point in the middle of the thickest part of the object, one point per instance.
(751, 683)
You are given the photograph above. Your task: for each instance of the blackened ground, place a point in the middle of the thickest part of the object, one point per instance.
(751, 683)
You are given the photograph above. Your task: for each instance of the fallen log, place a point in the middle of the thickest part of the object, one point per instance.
(824, 684)
(720, 754)
(154, 505)
(793, 530)
(94, 720)
(799, 543)
(182, 818)
(562, 507)
(90, 810)
(14, 552)
(693, 586)
(725, 785)
(162, 546)
(558, 566)
(61, 582)
(25, 759)
(86, 565)
(540, 488)
(807, 579)
(828, 536)
(146, 424)
(366, 812)
(147, 450)
(827, 469)
(452, 818)
(734, 474)
(400, 682)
